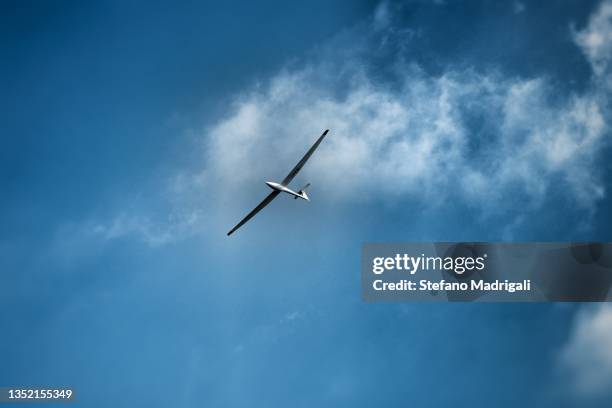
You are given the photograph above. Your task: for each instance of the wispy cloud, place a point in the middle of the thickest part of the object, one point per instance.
(477, 136)
(154, 234)
(519, 7)
(588, 355)
(483, 138)
(595, 40)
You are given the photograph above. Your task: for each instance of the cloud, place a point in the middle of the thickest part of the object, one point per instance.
(596, 39)
(519, 7)
(588, 355)
(123, 225)
(179, 212)
(179, 224)
(382, 16)
(479, 137)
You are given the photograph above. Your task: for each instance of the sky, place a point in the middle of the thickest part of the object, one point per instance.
(136, 134)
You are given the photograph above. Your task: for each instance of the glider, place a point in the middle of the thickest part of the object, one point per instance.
(281, 187)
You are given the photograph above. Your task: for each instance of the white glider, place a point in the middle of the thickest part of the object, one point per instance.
(282, 186)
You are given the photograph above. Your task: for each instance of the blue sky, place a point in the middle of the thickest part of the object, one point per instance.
(134, 135)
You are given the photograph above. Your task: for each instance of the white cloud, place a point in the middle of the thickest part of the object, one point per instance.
(124, 225)
(588, 355)
(182, 215)
(596, 40)
(487, 140)
(153, 232)
(415, 139)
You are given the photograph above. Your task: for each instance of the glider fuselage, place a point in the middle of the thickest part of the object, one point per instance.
(285, 189)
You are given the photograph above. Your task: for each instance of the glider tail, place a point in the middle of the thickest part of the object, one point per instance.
(302, 193)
